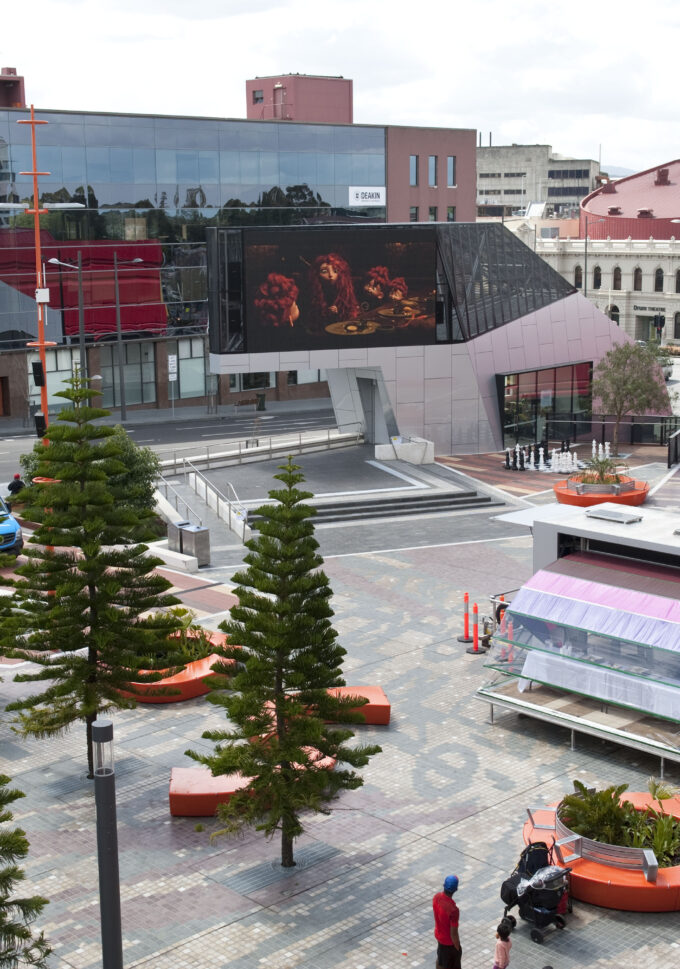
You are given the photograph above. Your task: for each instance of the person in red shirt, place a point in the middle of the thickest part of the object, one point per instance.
(449, 950)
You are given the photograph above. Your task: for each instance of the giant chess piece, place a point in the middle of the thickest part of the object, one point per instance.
(607, 450)
(507, 459)
(514, 460)
(541, 460)
(521, 460)
(594, 448)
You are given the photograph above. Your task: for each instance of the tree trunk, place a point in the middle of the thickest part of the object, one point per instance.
(287, 860)
(90, 753)
(615, 440)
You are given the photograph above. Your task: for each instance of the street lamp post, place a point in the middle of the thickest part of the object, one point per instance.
(81, 310)
(119, 335)
(585, 255)
(107, 844)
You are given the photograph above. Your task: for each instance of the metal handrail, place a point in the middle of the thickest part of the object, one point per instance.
(617, 856)
(674, 449)
(189, 512)
(237, 513)
(264, 445)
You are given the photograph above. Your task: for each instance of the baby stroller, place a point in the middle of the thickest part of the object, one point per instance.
(539, 888)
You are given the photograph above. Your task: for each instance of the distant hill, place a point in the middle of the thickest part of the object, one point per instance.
(617, 172)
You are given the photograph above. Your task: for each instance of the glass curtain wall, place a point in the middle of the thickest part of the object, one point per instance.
(554, 404)
(140, 373)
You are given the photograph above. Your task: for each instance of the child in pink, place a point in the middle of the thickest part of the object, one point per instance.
(501, 958)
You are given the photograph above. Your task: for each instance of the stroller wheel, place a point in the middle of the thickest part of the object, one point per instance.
(537, 936)
(560, 922)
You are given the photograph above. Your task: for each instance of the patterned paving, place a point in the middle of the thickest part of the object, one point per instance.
(448, 793)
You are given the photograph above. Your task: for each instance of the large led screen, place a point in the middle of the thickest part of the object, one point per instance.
(339, 287)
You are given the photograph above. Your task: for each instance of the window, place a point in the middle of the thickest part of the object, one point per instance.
(258, 97)
(492, 191)
(432, 213)
(571, 190)
(299, 377)
(658, 281)
(677, 281)
(514, 174)
(140, 373)
(432, 171)
(451, 172)
(489, 174)
(450, 213)
(578, 277)
(676, 327)
(413, 213)
(613, 313)
(514, 191)
(616, 278)
(191, 371)
(637, 280)
(413, 170)
(597, 278)
(568, 173)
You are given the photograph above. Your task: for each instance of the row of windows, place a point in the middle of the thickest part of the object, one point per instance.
(432, 213)
(568, 173)
(505, 174)
(575, 190)
(147, 167)
(432, 170)
(502, 191)
(617, 278)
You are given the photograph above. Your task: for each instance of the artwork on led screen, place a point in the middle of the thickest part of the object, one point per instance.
(339, 288)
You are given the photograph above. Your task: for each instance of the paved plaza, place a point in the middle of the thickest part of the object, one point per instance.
(447, 795)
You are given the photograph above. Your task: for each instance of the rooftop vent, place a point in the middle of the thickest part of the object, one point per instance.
(662, 177)
(614, 210)
(613, 515)
(645, 213)
(609, 188)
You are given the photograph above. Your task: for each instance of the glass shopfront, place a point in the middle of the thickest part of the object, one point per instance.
(554, 404)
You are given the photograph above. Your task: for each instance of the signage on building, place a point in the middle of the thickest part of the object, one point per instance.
(371, 195)
(172, 366)
(649, 309)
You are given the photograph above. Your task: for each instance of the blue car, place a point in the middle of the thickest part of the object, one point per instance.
(11, 539)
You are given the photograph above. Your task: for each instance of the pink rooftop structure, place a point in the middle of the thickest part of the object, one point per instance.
(639, 206)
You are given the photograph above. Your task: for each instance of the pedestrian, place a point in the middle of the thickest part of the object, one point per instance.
(14, 487)
(501, 958)
(446, 915)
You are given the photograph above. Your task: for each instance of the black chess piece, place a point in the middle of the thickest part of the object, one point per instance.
(507, 459)
(521, 460)
(514, 460)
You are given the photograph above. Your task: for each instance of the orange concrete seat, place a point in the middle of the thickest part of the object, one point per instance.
(187, 684)
(376, 711)
(194, 792)
(625, 889)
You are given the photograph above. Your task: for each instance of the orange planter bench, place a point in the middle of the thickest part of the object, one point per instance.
(195, 793)
(187, 684)
(376, 711)
(624, 889)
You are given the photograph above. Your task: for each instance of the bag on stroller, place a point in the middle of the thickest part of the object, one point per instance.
(538, 888)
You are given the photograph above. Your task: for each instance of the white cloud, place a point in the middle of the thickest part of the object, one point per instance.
(577, 76)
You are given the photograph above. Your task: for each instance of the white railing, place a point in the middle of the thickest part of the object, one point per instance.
(229, 510)
(176, 499)
(258, 448)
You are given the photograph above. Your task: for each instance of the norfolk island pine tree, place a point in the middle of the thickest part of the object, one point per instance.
(79, 602)
(277, 701)
(19, 946)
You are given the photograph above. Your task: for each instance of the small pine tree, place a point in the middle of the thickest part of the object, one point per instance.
(289, 659)
(86, 604)
(628, 380)
(18, 945)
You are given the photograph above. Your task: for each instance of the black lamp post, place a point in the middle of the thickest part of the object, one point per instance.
(119, 335)
(107, 844)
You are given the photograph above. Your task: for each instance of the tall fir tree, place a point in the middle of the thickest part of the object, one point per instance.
(278, 700)
(88, 604)
(19, 946)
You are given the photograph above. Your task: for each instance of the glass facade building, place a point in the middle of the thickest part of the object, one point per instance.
(155, 184)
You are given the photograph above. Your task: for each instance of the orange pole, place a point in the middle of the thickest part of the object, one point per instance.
(466, 615)
(502, 602)
(475, 628)
(36, 212)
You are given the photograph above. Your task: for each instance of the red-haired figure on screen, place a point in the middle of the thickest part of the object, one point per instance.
(376, 285)
(332, 290)
(276, 301)
(398, 289)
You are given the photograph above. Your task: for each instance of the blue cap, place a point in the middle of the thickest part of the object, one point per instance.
(451, 883)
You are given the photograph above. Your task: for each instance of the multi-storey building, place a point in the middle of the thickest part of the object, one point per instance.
(149, 187)
(510, 177)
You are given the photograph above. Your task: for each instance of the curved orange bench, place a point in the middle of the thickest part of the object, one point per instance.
(568, 496)
(195, 793)
(376, 711)
(624, 889)
(187, 684)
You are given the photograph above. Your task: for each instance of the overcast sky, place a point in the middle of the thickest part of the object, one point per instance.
(591, 79)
